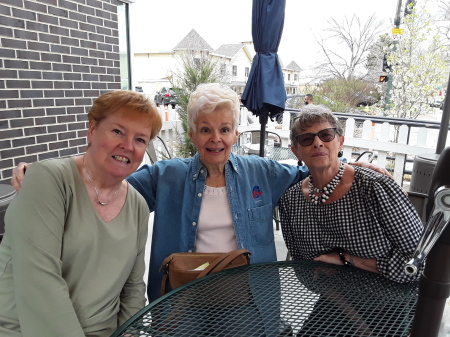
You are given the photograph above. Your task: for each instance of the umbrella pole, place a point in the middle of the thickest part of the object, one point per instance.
(263, 118)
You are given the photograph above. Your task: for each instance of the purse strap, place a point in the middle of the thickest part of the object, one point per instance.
(165, 278)
(222, 261)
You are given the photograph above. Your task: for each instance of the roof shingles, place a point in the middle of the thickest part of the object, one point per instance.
(193, 41)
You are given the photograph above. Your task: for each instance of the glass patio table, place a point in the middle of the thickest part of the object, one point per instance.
(284, 298)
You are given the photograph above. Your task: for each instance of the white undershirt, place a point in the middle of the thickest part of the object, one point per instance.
(215, 232)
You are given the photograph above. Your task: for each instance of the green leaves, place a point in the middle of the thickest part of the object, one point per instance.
(195, 68)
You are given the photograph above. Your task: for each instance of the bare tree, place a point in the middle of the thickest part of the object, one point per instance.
(345, 46)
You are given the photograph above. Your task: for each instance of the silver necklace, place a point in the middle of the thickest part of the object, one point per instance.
(95, 188)
(327, 190)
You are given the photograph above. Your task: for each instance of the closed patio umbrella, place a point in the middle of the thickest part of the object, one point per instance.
(264, 95)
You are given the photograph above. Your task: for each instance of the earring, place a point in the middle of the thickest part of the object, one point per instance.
(340, 154)
(300, 163)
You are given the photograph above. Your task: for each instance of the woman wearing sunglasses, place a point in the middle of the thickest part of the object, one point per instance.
(343, 214)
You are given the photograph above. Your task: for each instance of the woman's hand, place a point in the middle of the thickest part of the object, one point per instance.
(18, 175)
(373, 168)
(332, 258)
(358, 262)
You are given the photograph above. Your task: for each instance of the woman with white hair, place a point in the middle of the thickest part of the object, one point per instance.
(214, 201)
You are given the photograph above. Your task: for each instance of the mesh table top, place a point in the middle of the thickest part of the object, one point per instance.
(288, 298)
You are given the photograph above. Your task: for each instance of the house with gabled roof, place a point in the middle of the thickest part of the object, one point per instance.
(235, 60)
(193, 42)
(153, 68)
(291, 75)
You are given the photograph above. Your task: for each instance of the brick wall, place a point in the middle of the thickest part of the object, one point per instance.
(56, 57)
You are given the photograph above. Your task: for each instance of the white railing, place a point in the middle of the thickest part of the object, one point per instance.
(393, 143)
(379, 139)
(170, 130)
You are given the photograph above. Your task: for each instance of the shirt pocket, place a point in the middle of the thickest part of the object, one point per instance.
(261, 225)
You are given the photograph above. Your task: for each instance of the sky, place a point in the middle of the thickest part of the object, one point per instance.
(160, 25)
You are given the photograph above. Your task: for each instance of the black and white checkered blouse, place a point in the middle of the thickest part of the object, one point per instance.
(374, 219)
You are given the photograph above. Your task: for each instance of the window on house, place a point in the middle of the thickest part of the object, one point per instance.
(234, 70)
(223, 68)
(247, 71)
(197, 62)
(124, 45)
(289, 77)
(295, 77)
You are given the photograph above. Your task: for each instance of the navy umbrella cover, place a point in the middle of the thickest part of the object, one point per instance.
(264, 93)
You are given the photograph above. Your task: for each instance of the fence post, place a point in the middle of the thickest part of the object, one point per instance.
(349, 131)
(166, 112)
(400, 157)
(286, 120)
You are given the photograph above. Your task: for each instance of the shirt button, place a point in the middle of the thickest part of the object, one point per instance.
(201, 171)
(189, 251)
(199, 194)
(194, 224)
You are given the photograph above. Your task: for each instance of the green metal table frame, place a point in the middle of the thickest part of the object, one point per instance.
(285, 298)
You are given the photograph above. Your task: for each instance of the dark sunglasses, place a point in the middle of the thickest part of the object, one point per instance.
(325, 135)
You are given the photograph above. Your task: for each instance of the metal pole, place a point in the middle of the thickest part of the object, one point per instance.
(397, 14)
(263, 119)
(387, 99)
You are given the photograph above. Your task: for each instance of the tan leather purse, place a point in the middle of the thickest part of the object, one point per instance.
(181, 268)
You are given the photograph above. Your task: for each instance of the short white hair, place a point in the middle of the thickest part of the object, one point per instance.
(210, 97)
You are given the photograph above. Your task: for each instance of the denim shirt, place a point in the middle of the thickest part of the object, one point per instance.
(174, 188)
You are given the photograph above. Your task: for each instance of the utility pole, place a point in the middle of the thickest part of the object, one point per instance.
(397, 14)
(397, 20)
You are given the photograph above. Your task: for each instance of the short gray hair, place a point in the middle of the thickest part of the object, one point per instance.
(311, 115)
(209, 97)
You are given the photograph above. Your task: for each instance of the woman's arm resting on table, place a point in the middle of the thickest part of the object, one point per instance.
(18, 175)
(401, 226)
(359, 262)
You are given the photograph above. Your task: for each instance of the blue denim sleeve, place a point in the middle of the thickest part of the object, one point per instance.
(284, 176)
(142, 180)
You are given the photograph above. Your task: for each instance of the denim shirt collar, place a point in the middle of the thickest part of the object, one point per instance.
(199, 169)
